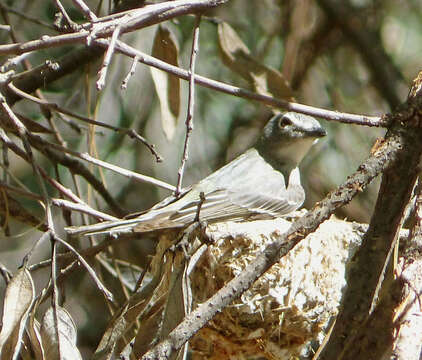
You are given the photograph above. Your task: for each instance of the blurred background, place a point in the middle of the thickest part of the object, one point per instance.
(355, 56)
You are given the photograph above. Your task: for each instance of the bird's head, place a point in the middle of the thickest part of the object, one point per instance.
(286, 139)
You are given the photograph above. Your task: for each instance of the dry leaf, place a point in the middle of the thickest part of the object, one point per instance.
(18, 299)
(66, 336)
(167, 86)
(140, 304)
(33, 331)
(236, 55)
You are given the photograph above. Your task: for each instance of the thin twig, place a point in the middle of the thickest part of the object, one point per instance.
(7, 275)
(13, 62)
(61, 40)
(85, 9)
(72, 25)
(84, 156)
(345, 118)
(130, 73)
(107, 293)
(5, 27)
(131, 133)
(27, 17)
(62, 203)
(88, 252)
(5, 165)
(133, 20)
(191, 104)
(86, 209)
(107, 58)
(55, 294)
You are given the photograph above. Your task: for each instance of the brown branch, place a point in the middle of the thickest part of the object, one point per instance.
(130, 21)
(73, 164)
(243, 93)
(38, 77)
(191, 104)
(53, 106)
(85, 10)
(46, 147)
(70, 23)
(372, 261)
(130, 73)
(107, 293)
(107, 58)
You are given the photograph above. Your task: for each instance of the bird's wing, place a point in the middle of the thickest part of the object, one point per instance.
(245, 186)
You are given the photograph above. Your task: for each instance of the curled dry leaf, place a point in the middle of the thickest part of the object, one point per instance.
(168, 86)
(33, 330)
(236, 55)
(18, 299)
(63, 346)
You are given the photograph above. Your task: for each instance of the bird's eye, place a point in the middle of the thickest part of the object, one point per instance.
(284, 121)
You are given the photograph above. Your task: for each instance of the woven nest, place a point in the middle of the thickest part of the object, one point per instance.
(288, 310)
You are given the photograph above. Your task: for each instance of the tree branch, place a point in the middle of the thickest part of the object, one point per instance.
(373, 258)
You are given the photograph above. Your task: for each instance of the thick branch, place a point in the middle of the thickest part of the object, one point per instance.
(372, 259)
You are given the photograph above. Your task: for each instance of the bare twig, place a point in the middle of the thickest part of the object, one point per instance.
(129, 132)
(13, 62)
(246, 94)
(88, 252)
(107, 58)
(72, 25)
(80, 206)
(5, 27)
(86, 209)
(127, 173)
(55, 294)
(5, 273)
(191, 103)
(130, 73)
(26, 17)
(50, 75)
(132, 20)
(85, 9)
(74, 165)
(148, 60)
(107, 293)
(84, 156)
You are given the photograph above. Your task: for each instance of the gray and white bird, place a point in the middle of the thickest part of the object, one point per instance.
(263, 181)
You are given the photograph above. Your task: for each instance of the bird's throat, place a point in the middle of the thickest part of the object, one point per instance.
(286, 157)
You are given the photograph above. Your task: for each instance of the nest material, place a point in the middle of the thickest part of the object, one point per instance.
(288, 310)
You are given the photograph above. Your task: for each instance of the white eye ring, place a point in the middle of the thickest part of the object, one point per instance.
(284, 121)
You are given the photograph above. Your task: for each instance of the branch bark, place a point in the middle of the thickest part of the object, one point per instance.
(354, 333)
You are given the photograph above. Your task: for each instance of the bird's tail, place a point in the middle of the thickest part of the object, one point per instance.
(105, 227)
(154, 219)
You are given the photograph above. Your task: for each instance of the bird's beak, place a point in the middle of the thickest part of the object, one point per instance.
(319, 132)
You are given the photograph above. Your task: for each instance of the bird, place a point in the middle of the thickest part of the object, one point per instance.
(264, 181)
